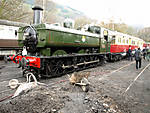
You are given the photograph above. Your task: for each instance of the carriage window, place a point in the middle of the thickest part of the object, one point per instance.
(130, 41)
(15, 32)
(127, 41)
(113, 41)
(106, 38)
(120, 40)
(124, 41)
(135, 42)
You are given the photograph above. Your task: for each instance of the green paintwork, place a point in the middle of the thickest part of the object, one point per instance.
(45, 51)
(64, 39)
(48, 38)
(59, 52)
(81, 51)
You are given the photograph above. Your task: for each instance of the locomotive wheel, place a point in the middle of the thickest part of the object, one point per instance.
(92, 59)
(57, 68)
(97, 63)
(120, 57)
(87, 59)
(54, 69)
(48, 70)
(61, 65)
(81, 60)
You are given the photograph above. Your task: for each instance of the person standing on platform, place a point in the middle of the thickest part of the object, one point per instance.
(138, 58)
(148, 54)
(130, 54)
(144, 53)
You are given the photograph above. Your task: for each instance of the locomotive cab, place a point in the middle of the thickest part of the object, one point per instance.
(94, 29)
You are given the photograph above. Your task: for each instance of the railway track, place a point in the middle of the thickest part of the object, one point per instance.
(49, 82)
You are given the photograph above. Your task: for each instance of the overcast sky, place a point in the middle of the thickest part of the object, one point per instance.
(133, 12)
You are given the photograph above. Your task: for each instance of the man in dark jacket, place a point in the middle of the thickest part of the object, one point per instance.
(145, 50)
(138, 58)
(130, 54)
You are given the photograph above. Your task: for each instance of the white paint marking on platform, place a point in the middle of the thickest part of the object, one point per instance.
(136, 78)
(121, 68)
(108, 74)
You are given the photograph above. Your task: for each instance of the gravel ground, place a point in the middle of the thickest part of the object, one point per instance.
(105, 93)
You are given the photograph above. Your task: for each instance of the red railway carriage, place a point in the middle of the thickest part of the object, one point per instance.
(121, 43)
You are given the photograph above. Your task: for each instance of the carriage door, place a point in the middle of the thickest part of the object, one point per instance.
(107, 44)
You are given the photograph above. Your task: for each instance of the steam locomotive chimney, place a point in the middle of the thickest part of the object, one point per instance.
(37, 19)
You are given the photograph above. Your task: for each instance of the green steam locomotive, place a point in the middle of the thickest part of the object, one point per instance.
(51, 50)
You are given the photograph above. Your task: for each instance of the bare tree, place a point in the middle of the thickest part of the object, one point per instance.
(13, 10)
(120, 27)
(144, 33)
(81, 21)
(49, 12)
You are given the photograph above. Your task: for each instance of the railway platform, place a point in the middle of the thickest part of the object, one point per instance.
(129, 85)
(117, 84)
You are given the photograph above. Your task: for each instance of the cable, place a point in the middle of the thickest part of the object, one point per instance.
(6, 98)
